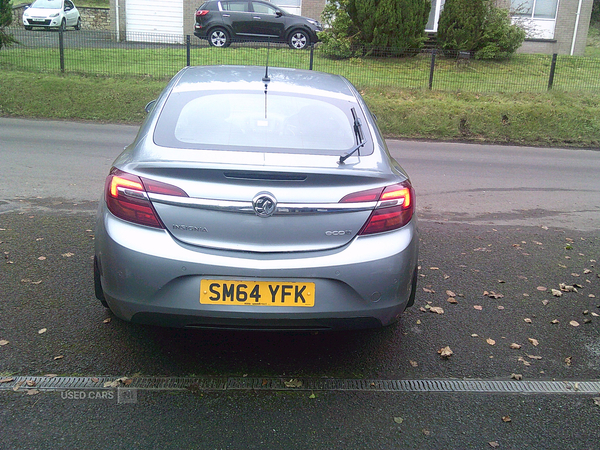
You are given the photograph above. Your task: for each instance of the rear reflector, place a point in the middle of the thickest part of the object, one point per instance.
(201, 12)
(126, 197)
(394, 209)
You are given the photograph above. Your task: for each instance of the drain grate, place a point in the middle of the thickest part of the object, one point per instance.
(303, 384)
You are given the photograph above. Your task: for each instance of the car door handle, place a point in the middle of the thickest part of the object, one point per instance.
(226, 15)
(256, 17)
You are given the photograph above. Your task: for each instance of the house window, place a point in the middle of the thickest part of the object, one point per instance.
(434, 15)
(537, 17)
(291, 6)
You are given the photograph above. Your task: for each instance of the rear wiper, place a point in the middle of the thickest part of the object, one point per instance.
(360, 141)
(350, 153)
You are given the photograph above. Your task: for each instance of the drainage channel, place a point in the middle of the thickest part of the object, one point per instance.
(45, 383)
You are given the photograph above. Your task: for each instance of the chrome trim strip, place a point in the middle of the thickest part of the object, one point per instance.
(246, 207)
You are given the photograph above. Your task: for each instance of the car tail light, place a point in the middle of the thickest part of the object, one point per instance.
(395, 207)
(201, 12)
(127, 197)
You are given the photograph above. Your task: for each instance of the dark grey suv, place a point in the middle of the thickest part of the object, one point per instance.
(224, 21)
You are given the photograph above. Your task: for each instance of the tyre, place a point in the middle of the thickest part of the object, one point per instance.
(299, 40)
(78, 24)
(219, 38)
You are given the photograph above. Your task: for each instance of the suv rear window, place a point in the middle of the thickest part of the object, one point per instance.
(253, 121)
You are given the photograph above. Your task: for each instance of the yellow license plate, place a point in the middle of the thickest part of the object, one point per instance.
(259, 293)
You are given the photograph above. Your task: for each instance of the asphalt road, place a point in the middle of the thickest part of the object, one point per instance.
(515, 222)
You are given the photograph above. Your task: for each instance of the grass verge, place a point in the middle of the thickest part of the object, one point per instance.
(552, 118)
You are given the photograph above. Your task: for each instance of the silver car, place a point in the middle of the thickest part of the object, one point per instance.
(257, 198)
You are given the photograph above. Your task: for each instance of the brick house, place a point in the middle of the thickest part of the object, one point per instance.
(553, 26)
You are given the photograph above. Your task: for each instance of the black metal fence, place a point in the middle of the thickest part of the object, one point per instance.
(102, 53)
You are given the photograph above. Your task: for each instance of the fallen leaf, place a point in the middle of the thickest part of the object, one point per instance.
(398, 419)
(42, 331)
(569, 360)
(542, 288)
(555, 321)
(95, 380)
(7, 380)
(474, 335)
(429, 291)
(107, 320)
(506, 419)
(500, 307)
(413, 363)
(68, 255)
(534, 357)
(18, 385)
(294, 383)
(32, 392)
(567, 288)
(478, 307)
(30, 383)
(515, 346)
(490, 341)
(494, 444)
(596, 401)
(58, 357)
(534, 342)
(574, 323)
(556, 293)
(528, 320)
(116, 382)
(516, 376)
(434, 268)
(42, 258)
(312, 395)
(525, 363)
(426, 432)
(445, 352)
(436, 309)
(452, 300)
(50, 375)
(3, 342)
(450, 294)
(545, 302)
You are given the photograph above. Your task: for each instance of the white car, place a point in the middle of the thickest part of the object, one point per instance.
(52, 14)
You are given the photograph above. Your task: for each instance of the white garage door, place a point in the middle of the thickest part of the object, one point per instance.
(155, 20)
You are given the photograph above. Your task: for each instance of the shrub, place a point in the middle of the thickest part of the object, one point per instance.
(382, 24)
(5, 20)
(461, 25)
(500, 37)
(478, 27)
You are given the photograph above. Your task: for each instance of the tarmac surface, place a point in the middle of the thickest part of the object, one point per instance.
(492, 274)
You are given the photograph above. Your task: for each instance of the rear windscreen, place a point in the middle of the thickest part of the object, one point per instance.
(256, 122)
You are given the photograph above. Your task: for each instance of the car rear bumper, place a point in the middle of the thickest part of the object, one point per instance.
(149, 277)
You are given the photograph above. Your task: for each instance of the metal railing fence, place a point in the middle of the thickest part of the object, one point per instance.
(101, 53)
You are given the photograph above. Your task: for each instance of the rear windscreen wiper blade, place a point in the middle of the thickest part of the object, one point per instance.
(360, 141)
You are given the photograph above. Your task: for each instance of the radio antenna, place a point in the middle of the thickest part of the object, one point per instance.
(266, 78)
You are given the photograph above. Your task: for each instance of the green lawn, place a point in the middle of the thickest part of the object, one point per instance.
(480, 101)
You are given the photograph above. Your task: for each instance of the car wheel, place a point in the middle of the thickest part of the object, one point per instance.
(219, 38)
(28, 28)
(299, 40)
(78, 24)
(98, 284)
(63, 25)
